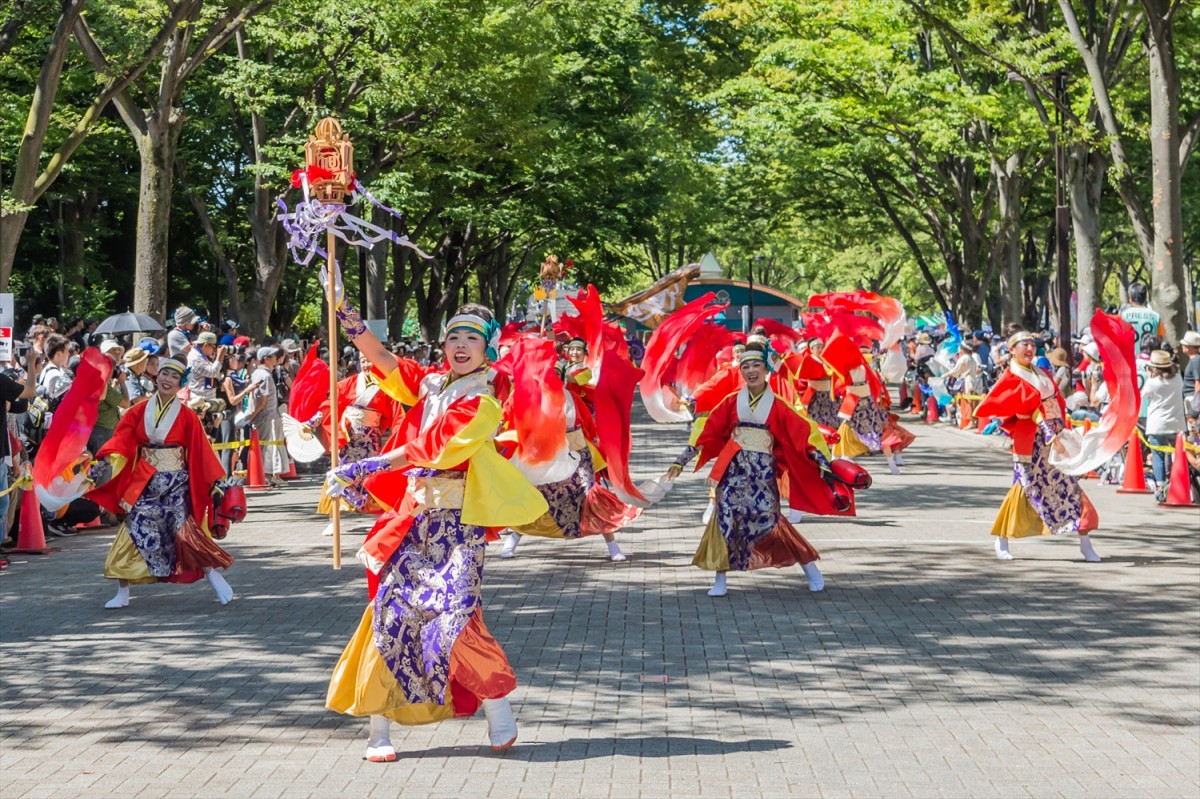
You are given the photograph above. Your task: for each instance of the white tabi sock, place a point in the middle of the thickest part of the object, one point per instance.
(1002, 552)
(223, 590)
(893, 467)
(899, 459)
(1089, 552)
(816, 580)
(719, 587)
(379, 741)
(121, 600)
(510, 545)
(502, 725)
(614, 552)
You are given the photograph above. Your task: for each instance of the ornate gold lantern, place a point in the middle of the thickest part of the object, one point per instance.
(329, 156)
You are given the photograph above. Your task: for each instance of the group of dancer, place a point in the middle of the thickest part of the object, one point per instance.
(515, 437)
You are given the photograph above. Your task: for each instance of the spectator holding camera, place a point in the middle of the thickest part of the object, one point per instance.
(204, 373)
(138, 385)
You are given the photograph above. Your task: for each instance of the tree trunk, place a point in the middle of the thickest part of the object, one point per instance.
(1167, 278)
(1008, 189)
(157, 153)
(1085, 182)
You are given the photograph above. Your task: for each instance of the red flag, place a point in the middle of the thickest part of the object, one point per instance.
(662, 351)
(67, 437)
(311, 386)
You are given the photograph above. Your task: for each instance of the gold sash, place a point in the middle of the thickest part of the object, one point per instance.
(164, 459)
(575, 440)
(754, 439)
(445, 493)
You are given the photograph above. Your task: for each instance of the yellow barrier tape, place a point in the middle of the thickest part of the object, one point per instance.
(239, 444)
(24, 481)
(1187, 445)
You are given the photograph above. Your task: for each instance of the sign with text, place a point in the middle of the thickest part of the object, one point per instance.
(6, 345)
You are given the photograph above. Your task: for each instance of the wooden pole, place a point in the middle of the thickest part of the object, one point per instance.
(335, 516)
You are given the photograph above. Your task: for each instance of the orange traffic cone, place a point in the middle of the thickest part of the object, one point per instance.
(1135, 468)
(1087, 426)
(964, 414)
(981, 422)
(290, 474)
(256, 479)
(1179, 493)
(931, 410)
(31, 536)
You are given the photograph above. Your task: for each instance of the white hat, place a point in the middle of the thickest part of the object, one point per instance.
(1190, 339)
(110, 344)
(266, 352)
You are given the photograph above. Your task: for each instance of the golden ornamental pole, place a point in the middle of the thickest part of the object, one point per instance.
(329, 158)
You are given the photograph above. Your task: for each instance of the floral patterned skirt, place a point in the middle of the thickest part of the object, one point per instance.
(160, 540)
(422, 652)
(823, 410)
(1043, 500)
(747, 531)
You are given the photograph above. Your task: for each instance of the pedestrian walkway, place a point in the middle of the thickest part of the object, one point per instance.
(926, 667)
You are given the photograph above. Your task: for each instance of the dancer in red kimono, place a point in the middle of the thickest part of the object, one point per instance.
(1043, 500)
(421, 652)
(763, 450)
(160, 472)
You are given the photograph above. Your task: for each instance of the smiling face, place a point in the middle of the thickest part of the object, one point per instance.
(575, 353)
(168, 382)
(1023, 352)
(465, 351)
(755, 374)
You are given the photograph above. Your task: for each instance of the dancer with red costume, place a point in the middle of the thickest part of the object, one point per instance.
(1048, 456)
(160, 470)
(422, 653)
(760, 445)
(579, 504)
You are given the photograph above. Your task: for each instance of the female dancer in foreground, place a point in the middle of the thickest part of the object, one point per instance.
(421, 653)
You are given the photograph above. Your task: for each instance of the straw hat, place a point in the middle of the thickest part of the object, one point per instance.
(1057, 356)
(1161, 359)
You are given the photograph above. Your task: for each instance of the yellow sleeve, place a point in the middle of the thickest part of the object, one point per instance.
(496, 493)
(403, 383)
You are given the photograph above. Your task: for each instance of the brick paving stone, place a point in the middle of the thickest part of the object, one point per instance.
(926, 668)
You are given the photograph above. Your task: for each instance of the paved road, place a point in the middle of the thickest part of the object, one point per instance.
(926, 668)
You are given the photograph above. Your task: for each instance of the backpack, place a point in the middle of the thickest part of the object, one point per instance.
(39, 415)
